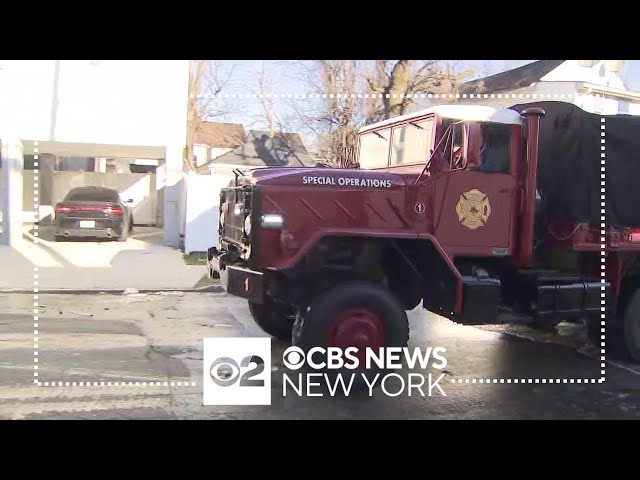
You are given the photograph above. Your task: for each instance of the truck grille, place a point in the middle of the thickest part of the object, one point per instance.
(236, 206)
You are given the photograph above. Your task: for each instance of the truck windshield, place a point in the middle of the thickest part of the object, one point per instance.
(405, 144)
(411, 143)
(373, 150)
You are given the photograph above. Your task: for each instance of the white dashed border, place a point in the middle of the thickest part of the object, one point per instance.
(36, 303)
(603, 245)
(354, 95)
(443, 96)
(36, 311)
(117, 384)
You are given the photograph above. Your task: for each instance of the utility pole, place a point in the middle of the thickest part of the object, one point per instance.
(54, 101)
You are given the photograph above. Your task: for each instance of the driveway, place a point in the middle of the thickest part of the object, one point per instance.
(155, 343)
(142, 262)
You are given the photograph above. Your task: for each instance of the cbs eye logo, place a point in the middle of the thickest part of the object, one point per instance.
(293, 358)
(226, 372)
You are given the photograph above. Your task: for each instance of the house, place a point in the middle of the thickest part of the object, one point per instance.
(213, 139)
(594, 85)
(261, 150)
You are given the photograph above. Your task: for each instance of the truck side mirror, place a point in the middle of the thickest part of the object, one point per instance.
(472, 142)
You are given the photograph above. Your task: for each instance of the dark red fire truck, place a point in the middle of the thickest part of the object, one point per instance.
(483, 215)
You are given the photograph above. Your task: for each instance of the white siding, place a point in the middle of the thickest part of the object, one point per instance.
(122, 102)
(113, 102)
(200, 152)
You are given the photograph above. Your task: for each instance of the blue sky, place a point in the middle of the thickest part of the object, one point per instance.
(281, 73)
(286, 77)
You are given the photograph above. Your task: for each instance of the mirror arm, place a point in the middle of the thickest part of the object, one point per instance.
(446, 135)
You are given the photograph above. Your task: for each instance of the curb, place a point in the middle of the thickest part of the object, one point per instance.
(109, 291)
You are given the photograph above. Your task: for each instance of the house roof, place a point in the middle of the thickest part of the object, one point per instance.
(220, 135)
(520, 77)
(283, 150)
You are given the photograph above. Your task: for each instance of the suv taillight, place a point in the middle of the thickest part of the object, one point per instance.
(113, 211)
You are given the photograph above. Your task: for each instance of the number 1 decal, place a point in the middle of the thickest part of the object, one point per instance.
(246, 284)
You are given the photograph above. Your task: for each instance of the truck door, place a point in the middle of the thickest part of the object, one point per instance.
(475, 198)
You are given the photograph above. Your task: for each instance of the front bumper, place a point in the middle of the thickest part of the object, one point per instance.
(88, 232)
(88, 227)
(243, 283)
(237, 281)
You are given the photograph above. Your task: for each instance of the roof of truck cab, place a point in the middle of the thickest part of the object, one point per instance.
(473, 113)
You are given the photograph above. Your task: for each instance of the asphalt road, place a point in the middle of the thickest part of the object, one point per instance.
(145, 353)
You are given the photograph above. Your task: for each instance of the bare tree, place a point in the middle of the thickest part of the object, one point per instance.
(335, 114)
(341, 105)
(206, 82)
(270, 115)
(398, 82)
(390, 87)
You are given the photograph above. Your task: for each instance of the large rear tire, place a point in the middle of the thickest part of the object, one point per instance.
(273, 319)
(354, 314)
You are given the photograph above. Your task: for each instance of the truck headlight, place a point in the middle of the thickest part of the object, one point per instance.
(247, 225)
(272, 220)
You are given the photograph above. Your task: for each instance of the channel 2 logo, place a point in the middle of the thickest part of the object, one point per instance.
(236, 371)
(222, 371)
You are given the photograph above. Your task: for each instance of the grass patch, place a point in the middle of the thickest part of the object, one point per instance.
(195, 258)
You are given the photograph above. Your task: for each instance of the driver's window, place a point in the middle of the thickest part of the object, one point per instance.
(456, 159)
(452, 145)
(495, 148)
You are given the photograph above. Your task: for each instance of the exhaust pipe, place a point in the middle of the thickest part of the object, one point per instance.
(532, 124)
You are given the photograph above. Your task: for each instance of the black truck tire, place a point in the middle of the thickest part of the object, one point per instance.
(272, 320)
(631, 327)
(356, 313)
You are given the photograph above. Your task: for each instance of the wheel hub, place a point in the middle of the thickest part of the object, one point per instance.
(356, 327)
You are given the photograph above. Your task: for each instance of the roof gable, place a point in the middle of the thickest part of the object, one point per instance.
(220, 135)
(260, 150)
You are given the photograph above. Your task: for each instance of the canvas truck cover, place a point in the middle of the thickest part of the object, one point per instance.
(569, 160)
